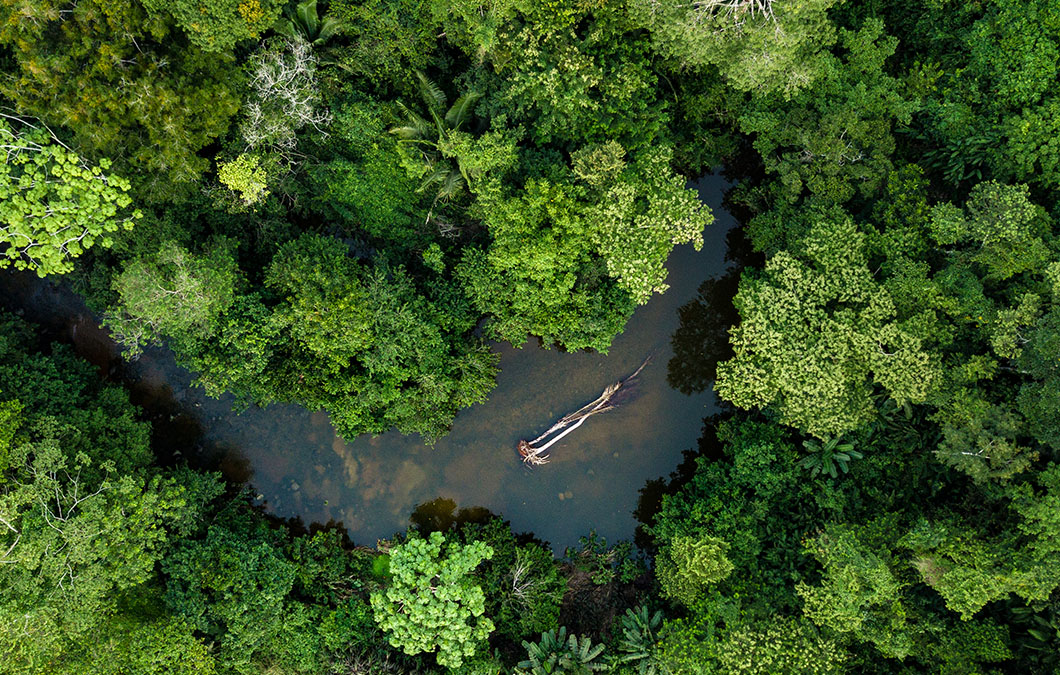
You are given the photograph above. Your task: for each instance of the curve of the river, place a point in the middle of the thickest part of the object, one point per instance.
(297, 466)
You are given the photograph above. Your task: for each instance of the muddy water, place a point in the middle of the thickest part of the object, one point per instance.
(298, 467)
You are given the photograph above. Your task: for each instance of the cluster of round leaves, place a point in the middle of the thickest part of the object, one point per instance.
(54, 205)
(432, 602)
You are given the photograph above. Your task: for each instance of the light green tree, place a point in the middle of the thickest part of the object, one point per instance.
(688, 566)
(818, 333)
(245, 175)
(859, 593)
(834, 138)
(999, 230)
(572, 256)
(782, 646)
(55, 205)
(638, 214)
(757, 45)
(173, 293)
(970, 568)
(432, 602)
(70, 544)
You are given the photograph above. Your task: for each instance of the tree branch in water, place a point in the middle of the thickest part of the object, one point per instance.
(534, 453)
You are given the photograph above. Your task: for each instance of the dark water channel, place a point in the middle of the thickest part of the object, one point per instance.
(298, 467)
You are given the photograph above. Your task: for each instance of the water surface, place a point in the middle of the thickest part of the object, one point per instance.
(297, 466)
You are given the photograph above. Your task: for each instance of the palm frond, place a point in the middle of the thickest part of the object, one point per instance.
(328, 26)
(308, 17)
(461, 109)
(417, 128)
(286, 28)
(438, 173)
(431, 93)
(450, 186)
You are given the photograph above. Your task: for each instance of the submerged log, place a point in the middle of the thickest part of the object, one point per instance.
(534, 453)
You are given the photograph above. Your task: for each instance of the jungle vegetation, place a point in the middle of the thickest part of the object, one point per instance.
(337, 204)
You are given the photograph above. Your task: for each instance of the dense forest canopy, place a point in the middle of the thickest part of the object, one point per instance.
(339, 204)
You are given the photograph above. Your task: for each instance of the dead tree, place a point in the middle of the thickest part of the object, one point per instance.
(533, 453)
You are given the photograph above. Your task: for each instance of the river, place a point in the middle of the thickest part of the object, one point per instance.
(296, 466)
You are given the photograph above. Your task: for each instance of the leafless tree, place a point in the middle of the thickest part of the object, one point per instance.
(284, 97)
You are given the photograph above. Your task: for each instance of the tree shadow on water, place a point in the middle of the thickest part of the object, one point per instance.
(441, 515)
(650, 500)
(702, 338)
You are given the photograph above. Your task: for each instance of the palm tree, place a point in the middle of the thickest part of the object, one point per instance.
(431, 134)
(305, 23)
(560, 654)
(828, 456)
(639, 638)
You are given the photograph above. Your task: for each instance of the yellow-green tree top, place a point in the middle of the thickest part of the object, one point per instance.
(53, 204)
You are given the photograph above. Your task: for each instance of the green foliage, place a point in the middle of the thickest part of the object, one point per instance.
(233, 584)
(756, 45)
(757, 500)
(522, 583)
(244, 175)
(1000, 227)
(687, 567)
(639, 642)
(538, 276)
(638, 215)
(602, 563)
(834, 137)
(970, 568)
(557, 653)
(575, 73)
(123, 83)
(96, 420)
(129, 643)
(569, 259)
(827, 456)
(10, 422)
(304, 22)
(784, 646)
(859, 593)
(818, 332)
(982, 439)
(218, 25)
(53, 204)
(84, 522)
(173, 293)
(689, 645)
(993, 110)
(389, 40)
(367, 187)
(72, 545)
(342, 317)
(433, 137)
(431, 602)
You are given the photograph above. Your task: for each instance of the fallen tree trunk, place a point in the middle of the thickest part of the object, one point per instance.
(534, 453)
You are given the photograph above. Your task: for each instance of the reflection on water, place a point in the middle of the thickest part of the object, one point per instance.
(300, 468)
(702, 339)
(441, 515)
